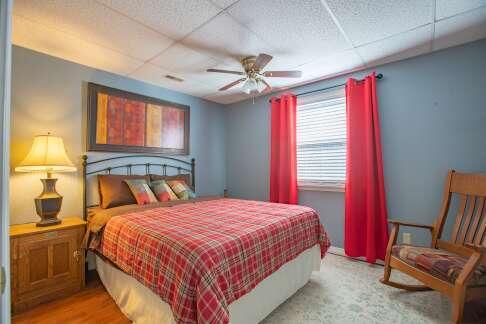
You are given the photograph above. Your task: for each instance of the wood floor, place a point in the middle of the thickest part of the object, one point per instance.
(92, 305)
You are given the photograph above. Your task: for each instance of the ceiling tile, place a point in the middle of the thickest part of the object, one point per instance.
(224, 3)
(224, 38)
(183, 59)
(94, 22)
(399, 47)
(297, 31)
(50, 41)
(339, 63)
(201, 90)
(188, 64)
(300, 35)
(218, 80)
(368, 21)
(213, 80)
(151, 73)
(283, 82)
(228, 97)
(467, 27)
(447, 8)
(174, 18)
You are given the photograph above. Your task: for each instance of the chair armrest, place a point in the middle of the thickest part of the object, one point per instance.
(472, 263)
(393, 221)
(477, 248)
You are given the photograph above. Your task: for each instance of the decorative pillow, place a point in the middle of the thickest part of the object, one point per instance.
(114, 191)
(181, 189)
(162, 190)
(141, 191)
(183, 176)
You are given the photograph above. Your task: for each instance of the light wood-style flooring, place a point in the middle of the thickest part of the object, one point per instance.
(92, 305)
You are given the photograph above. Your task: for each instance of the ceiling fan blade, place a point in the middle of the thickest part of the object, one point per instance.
(268, 87)
(226, 71)
(261, 61)
(283, 74)
(232, 84)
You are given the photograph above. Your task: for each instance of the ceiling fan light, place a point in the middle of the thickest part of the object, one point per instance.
(249, 86)
(260, 86)
(246, 87)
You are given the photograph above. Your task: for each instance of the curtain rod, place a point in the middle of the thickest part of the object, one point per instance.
(378, 76)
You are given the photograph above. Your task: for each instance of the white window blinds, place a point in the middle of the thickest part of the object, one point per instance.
(321, 138)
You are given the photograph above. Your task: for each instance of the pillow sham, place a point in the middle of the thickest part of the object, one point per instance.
(183, 176)
(162, 190)
(181, 189)
(114, 191)
(141, 191)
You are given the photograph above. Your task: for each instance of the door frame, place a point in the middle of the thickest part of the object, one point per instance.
(5, 78)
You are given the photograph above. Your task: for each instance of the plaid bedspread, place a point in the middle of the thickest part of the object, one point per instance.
(201, 257)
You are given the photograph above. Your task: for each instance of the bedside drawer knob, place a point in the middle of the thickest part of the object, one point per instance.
(77, 255)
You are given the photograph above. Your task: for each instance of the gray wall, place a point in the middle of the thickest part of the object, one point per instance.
(49, 94)
(433, 117)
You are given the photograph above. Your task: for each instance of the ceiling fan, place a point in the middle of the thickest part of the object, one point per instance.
(254, 76)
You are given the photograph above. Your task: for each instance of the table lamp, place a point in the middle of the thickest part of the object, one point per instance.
(47, 154)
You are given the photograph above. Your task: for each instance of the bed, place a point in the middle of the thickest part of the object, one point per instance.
(205, 260)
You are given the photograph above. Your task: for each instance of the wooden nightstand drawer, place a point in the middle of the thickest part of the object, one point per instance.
(46, 263)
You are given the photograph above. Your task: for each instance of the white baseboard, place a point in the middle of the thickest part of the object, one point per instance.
(340, 251)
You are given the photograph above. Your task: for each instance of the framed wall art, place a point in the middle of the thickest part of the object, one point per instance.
(121, 121)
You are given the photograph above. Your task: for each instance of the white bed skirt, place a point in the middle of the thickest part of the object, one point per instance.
(142, 306)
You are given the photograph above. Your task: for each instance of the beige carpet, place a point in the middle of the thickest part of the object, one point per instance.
(348, 291)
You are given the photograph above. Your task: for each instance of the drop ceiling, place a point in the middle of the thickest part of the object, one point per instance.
(149, 39)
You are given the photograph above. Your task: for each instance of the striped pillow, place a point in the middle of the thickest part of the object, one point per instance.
(141, 191)
(181, 189)
(162, 190)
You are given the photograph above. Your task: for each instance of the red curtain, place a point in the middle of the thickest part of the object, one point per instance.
(366, 230)
(283, 150)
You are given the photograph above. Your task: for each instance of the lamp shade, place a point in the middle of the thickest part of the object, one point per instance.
(46, 154)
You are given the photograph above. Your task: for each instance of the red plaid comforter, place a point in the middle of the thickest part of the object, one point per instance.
(200, 257)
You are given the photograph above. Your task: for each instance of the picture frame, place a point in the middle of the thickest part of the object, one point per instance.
(122, 121)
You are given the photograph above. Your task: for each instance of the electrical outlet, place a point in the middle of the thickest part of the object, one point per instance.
(407, 238)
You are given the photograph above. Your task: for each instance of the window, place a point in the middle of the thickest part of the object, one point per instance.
(321, 140)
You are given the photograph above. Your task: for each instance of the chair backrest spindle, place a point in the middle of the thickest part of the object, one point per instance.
(461, 211)
(461, 238)
(470, 222)
(475, 222)
(480, 236)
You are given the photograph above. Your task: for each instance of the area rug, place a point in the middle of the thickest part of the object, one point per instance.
(348, 291)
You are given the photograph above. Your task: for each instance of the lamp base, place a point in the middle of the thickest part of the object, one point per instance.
(48, 203)
(48, 222)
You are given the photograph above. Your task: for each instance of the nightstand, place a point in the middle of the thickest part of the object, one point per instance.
(46, 262)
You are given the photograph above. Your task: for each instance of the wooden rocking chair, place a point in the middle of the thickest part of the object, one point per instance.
(465, 253)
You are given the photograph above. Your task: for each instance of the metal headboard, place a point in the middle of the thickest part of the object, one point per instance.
(163, 165)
